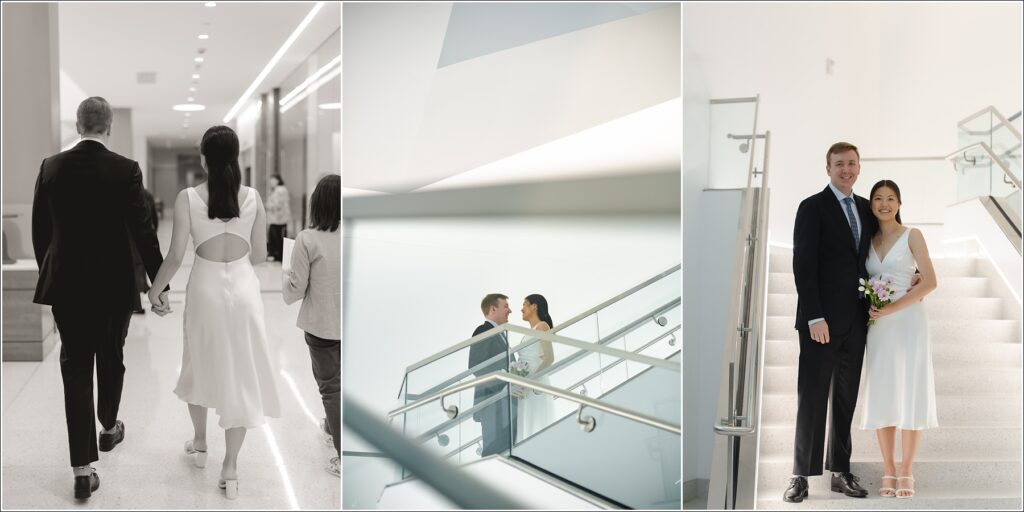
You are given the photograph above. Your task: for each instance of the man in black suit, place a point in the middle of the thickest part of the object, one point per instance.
(830, 244)
(498, 420)
(88, 207)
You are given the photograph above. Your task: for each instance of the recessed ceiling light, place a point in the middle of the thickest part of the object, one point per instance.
(198, 59)
(188, 114)
(191, 89)
(195, 76)
(189, 107)
(191, 99)
(204, 36)
(330, 106)
(210, 4)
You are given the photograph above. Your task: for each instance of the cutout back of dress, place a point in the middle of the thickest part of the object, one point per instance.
(218, 240)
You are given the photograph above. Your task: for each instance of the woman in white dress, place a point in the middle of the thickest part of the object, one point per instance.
(225, 363)
(899, 390)
(536, 410)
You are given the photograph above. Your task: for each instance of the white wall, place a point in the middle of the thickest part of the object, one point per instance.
(413, 286)
(903, 75)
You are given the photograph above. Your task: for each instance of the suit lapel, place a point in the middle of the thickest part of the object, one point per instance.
(839, 215)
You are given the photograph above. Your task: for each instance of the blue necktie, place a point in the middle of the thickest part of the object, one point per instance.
(853, 222)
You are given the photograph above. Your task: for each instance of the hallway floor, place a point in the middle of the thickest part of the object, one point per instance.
(281, 465)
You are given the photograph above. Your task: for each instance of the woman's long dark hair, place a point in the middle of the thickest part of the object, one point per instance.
(325, 204)
(224, 177)
(892, 186)
(542, 308)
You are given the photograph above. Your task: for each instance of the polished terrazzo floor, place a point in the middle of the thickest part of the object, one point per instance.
(281, 465)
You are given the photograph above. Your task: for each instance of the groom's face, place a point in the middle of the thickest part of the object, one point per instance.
(843, 169)
(499, 314)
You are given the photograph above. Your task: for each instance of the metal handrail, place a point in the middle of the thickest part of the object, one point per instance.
(952, 158)
(554, 338)
(615, 363)
(563, 325)
(496, 358)
(503, 376)
(443, 426)
(1003, 121)
(613, 389)
(743, 385)
(463, 489)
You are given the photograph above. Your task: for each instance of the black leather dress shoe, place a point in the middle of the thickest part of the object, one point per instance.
(109, 441)
(849, 485)
(797, 491)
(85, 485)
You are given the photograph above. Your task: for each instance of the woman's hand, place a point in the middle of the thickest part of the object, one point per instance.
(161, 305)
(876, 313)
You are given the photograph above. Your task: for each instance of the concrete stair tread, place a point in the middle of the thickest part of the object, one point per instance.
(955, 410)
(995, 354)
(996, 477)
(875, 502)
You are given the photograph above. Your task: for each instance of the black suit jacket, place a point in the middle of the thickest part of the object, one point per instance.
(826, 263)
(482, 351)
(88, 206)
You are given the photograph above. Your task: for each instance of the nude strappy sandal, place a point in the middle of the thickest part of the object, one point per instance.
(888, 492)
(904, 489)
(198, 457)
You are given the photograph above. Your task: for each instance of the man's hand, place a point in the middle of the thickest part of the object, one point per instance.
(819, 332)
(161, 303)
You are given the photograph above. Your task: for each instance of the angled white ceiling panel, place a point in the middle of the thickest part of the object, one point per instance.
(491, 107)
(476, 29)
(390, 56)
(639, 143)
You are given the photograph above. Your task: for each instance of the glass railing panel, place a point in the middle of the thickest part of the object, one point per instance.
(977, 128)
(731, 124)
(1006, 145)
(617, 446)
(927, 185)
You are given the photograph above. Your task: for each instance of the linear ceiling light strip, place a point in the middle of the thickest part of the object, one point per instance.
(273, 61)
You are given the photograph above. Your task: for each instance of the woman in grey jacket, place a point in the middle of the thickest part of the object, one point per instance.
(315, 277)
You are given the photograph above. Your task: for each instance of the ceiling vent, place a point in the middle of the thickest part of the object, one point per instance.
(146, 77)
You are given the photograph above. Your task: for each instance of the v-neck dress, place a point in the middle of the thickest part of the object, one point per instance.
(899, 383)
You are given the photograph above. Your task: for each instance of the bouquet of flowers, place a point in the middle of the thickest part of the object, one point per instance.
(878, 290)
(521, 368)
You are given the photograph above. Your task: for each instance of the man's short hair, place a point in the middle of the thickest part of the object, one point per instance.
(491, 301)
(94, 115)
(839, 147)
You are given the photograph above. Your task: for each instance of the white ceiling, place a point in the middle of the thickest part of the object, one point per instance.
(104, 45)
(485, 118)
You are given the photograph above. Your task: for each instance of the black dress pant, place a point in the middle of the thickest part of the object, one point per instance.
(326, 357)
(275, 240)
(830, 369)
(497, 425)
(86, 336)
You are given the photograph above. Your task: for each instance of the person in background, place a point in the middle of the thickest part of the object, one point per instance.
(315, 277)
(279, 214)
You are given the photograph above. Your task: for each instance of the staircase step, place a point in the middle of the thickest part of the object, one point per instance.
(944, 355)
(949, 287)
(989, 308)
(938, 500)
(780, 379)
(944, 267)
(939, 478)
(969, 443)
(943, 330)
(954, 410)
